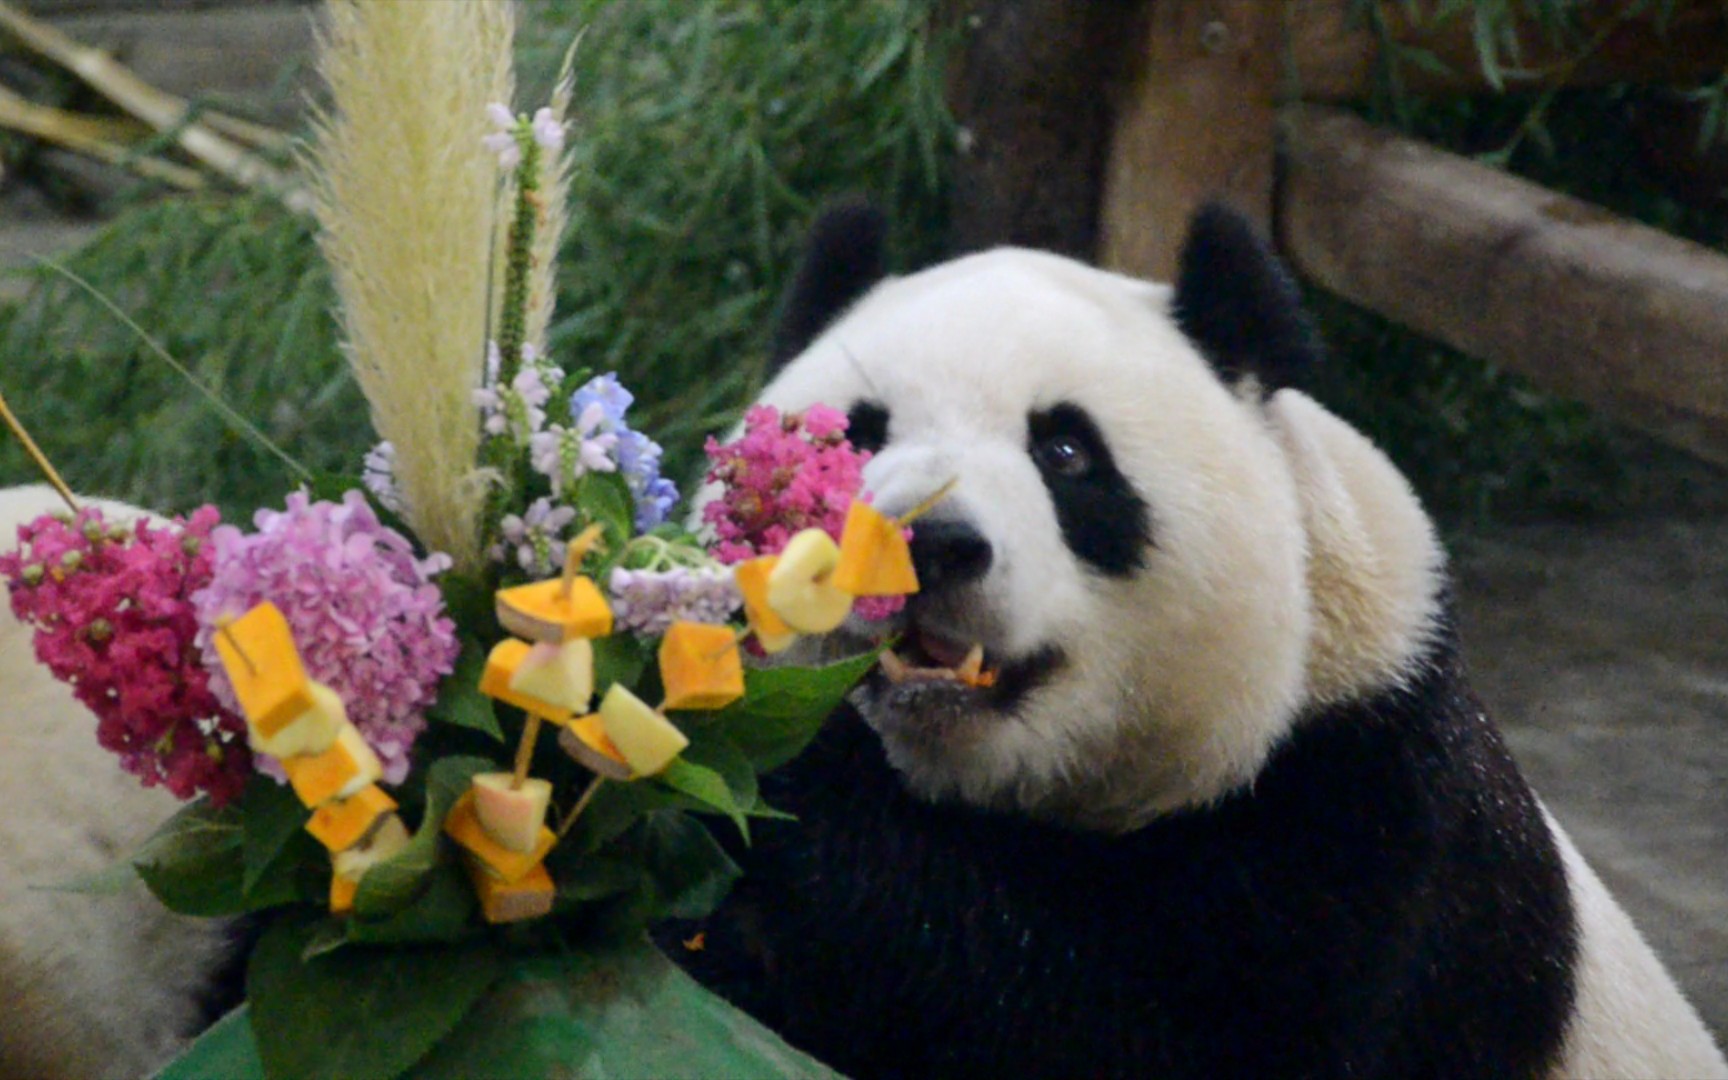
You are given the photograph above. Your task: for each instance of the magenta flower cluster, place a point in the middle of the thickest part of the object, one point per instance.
(364, 614)
(783, 475)
(112, 608)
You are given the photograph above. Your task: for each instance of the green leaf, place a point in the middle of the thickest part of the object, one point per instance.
(393, 884)
(605, 498)
(271, 814)
(358, 1013)
(707, 787)
(194, 863)
(460, 701)
(784, 707)
(470, 601)
(594, 877)
(690, 872)
(439, 912)
(619, 658)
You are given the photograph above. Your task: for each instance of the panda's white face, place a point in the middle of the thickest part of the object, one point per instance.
(1124, 539)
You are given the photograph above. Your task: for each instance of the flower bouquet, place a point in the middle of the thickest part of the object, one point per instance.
(487, 700)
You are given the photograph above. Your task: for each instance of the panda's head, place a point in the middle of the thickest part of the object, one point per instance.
(1165, 567)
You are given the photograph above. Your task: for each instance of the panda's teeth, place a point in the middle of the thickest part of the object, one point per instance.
(894, 667)
(968, 670)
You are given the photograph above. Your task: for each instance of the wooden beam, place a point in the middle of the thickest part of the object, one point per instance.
(1589, 305)
(1332, 57)
(1197, 123)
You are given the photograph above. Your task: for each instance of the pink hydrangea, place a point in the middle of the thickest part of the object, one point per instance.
(783, 475)
(365, 616)
(113, 614)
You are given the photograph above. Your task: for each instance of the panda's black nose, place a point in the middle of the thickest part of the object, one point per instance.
(948, 553)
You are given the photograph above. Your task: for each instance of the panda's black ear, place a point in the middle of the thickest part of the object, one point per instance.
(1237, 302)
(845, 255)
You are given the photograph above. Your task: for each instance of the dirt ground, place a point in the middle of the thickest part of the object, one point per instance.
(1602, 650)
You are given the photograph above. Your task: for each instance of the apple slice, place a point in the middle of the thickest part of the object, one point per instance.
(502, 663)
(799, 587)
(312, 732)
(387, 838)
(512, 818)
(561, 675)
(647, 740)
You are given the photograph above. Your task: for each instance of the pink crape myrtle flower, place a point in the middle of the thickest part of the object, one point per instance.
(364, 613)
(783, 475)
(112, 608)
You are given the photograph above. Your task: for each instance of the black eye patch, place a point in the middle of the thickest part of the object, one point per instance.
(867, 426)
(1104, 521)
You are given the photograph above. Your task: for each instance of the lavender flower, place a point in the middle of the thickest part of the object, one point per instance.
(503, 140)
(378, 473)
(365, 616)
(638, 456)
(532, 540)
(564, 454)
(647, 602)
(518, 409)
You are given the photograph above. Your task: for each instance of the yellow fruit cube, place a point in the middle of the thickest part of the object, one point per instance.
(561, 675)
(389, 837)
(771, 630)
(585, 740)
(501, 667)
(799, 587)
(339, 772)
(464, 827)
(257, 651)
(700, 666)
(647, 740)
(312, 732)
(541, 612)
(511, 817)
(341, 824)
(874, 557)
(528, 897)
(342, 892)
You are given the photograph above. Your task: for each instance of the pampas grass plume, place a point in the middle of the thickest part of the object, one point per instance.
(405, 197)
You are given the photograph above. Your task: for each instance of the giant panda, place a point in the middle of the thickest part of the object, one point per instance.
(1231, 808)
(90, 985)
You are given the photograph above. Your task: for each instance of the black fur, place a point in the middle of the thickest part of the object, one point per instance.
(846, 254)
(1104, 521)
(1385, 902)
(1237, 302)
(867, 426)
(949, 553)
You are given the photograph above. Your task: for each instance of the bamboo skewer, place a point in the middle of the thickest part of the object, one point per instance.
(581, 805)
(162, 112)
(36, 454)
(525, 751)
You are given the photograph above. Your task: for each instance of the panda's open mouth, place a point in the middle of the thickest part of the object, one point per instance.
(926, 665)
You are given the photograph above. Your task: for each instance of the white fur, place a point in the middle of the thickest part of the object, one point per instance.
(92, 985)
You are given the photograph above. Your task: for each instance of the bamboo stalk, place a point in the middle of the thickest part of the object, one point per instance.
(91, 137)
(525, 751)
(163, 112)
(37, 455)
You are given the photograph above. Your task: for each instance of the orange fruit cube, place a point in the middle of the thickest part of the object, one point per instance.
(341, 824)
(528, 897)
(541, 612)
(501, 667)
(771, 630)
(585, 740)
(874, 557)
(340, 771)
(257, 651)
(700, 666)
(463, 826)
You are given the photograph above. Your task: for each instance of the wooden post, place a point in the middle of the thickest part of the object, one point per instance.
(1198, 123)
(1590, 305)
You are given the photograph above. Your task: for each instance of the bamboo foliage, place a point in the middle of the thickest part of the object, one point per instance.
(404, 194)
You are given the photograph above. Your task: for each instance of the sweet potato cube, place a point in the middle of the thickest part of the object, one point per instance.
(647, 740)
(464, 827)
(342, 892)
(800, 589)
(541, 612)
(585, 740)
(874, 557)
(339, 772)
(700, 666)
(771, 630)
(501, 667)
(312, 732)
(257, 651)
(528, 897)
(513, 818)
(389, 837)
(561, 675)
(341, 824)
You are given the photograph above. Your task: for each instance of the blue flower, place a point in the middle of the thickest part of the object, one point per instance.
(638, 455)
